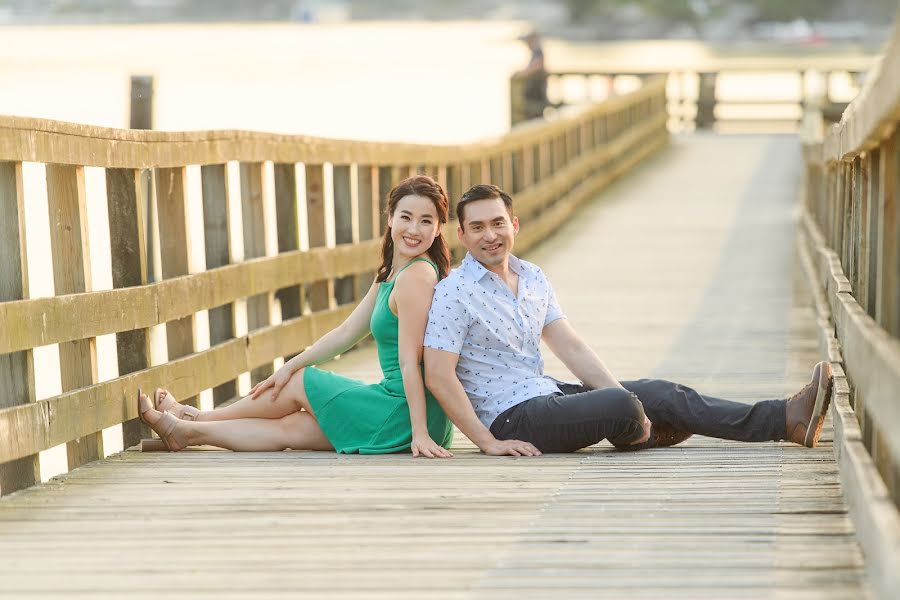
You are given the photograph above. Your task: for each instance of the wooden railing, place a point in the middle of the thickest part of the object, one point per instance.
(697, 98)
(291, 229)
(851, 247)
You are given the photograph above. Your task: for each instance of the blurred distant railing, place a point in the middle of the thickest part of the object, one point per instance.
(291, 229)
(851, 243)
(743, 94)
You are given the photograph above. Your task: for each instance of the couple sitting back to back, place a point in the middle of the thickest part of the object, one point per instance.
(478, 331)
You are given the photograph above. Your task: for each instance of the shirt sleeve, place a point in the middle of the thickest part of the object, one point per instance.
(448, 321)
(554, 311)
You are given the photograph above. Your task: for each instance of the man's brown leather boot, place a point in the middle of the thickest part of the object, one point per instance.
(805, 411)
(661, 436)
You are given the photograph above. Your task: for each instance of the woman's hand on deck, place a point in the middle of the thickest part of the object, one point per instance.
(425, 446)
(276, 381)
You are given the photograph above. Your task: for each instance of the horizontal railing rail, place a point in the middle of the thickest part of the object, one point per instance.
(291, 231)
(851, 245)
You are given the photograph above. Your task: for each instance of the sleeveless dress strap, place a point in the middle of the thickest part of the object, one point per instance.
(418, 258)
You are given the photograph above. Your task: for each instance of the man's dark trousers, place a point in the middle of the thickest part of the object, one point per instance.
(580, 417)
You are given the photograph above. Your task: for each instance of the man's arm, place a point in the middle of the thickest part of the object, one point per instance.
(441, 379)
(579, 358)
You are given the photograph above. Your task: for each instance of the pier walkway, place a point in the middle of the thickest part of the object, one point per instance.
(685, 269)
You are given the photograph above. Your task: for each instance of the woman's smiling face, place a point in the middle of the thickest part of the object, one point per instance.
(414, 225)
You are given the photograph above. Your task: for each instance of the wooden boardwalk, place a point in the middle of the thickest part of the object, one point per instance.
(685, 270)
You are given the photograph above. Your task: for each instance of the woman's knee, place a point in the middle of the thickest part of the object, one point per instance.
(301, 431)
(291, 428)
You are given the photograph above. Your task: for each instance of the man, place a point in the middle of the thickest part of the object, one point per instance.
(483, 364)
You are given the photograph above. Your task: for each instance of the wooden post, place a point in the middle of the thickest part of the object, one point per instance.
(141, 102)
(586, 133)
(321, 293)
(344, 221)
(887, 306)
(368, 211)
(388, 177)
(216, 245)
(528, 178)
(602, 129)
(259, 236)
(873, 194)
(72, 274)
(507, 176)
(126, 205)
(861, 190)
(544, 160)
(16, 368)
(141, 117)
(495, 170)
(175, 244)
(559, 152)
(454, 187)
(706, 101)
(287, 208)
(518, 177)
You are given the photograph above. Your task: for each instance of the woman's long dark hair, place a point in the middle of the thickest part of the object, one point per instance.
(439, 252)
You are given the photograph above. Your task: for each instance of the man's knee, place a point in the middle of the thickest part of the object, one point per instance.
(625, 405)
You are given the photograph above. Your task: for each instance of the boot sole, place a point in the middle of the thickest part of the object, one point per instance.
(823, 401)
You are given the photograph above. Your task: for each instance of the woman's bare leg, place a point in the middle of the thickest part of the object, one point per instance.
(298, 431)
(291, 399)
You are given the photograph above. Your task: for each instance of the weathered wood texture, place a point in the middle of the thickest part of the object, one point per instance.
(308, 225)
(72, 274)
(708, 519)
(852, 238)
(16, 368)
(40, 140)
(126, 204)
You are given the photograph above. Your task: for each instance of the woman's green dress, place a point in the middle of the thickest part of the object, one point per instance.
(373, 419)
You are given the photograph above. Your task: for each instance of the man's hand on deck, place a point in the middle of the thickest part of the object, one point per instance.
(510, 448)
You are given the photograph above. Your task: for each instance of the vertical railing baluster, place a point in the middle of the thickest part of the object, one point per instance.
(343, 226)
(72, 274)
(175, 249)
(873, 193)
(16, 368)
(368, 217)
(321, 293)
(887, 307)
(216, 246)
(126, 204)
(257, 214)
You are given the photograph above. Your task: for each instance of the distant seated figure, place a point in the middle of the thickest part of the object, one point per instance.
(535, 75)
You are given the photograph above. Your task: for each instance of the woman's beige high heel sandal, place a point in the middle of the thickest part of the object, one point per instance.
(180, 411)
(163, 428)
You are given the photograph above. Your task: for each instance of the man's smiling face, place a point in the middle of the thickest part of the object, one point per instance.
(488, 232)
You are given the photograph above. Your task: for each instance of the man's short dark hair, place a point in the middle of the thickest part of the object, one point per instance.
(481, 191)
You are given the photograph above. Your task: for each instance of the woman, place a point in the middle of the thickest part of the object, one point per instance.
(304, 408)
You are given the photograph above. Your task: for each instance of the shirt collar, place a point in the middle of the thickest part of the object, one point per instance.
(477, 270)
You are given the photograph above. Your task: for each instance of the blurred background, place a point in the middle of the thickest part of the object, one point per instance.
(433, 71)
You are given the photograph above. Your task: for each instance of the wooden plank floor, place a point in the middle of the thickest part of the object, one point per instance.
(686, 271)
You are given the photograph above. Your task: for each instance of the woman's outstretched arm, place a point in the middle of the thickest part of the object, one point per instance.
(413, 293)
(338, 340)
